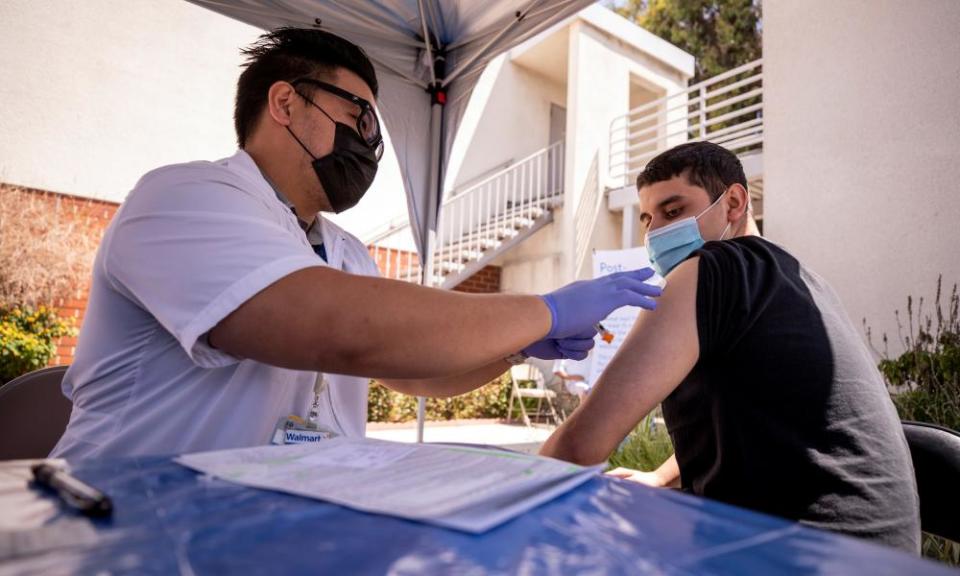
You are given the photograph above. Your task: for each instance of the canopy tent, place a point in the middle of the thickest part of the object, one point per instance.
(428, 55)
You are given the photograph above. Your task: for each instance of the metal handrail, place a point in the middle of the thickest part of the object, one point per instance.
(702, 84)
(386, 230)
(505, 170)
(709, 110)
(480, 216)
(464, 186)
(470, 223)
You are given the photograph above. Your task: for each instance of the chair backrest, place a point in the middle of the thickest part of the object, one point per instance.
(529, 372)
(33, 414)
(936, 462)
(545, 367)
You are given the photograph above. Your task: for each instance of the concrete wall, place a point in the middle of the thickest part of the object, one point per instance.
(862, 150)
(96, 93)
(535, 266)
(602, 70)
(513, 111)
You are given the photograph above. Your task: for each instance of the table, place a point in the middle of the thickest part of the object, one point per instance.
(170, 520)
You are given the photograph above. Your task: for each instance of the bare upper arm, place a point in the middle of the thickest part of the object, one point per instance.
(656, 356)
(273, 324)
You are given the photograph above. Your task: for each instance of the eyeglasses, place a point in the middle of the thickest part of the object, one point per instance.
(368, 126)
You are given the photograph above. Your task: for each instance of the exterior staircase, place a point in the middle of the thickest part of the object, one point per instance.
(482, 221)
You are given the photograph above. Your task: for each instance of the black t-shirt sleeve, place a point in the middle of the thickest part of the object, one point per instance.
(724, 296)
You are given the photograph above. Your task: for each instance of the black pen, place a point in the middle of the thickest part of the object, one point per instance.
(87, 499)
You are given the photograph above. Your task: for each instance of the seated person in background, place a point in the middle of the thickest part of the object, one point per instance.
(770, 396)
(575, 375)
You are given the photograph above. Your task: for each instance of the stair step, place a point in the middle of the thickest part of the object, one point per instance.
(486, 238)
(448, 266)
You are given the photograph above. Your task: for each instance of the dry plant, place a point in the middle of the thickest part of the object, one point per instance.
(46, 249)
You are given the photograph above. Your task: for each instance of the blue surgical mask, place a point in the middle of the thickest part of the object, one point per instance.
(672, 244)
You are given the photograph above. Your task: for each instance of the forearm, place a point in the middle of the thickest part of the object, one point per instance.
(325, 320)
(444, 387)
(573, 443)
(595, 429)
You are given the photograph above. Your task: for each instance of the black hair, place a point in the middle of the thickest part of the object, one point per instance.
(704, 164)
(286, 54)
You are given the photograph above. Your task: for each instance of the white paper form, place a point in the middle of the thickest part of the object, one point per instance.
(465, 488)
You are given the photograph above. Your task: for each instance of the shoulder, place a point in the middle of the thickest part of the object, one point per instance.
(743, 248)
(744, 257)
(203, 186)
(189, 172)
(681, 282)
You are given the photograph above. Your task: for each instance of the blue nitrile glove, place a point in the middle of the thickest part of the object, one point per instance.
(575, 347)
(579, 306)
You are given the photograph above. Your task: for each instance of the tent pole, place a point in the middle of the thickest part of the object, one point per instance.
(429, 247)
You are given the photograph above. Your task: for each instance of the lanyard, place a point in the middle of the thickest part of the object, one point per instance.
(319, 387)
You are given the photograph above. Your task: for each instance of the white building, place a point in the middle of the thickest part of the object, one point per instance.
(531, 166)
(853, 131)
(848, 129)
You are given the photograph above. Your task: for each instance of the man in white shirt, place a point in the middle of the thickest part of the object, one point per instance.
(219, 294)
(575, 375)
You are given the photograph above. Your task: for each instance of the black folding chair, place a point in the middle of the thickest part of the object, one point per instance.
(936, 462)
(33, 414)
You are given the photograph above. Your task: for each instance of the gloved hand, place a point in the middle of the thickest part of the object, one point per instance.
(579, 306)
(575, 347)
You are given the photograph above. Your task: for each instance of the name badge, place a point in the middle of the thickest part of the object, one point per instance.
(304, 436)
(293, 430)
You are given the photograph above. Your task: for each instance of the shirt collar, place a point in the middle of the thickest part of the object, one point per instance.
(310, 229)
(286, 202)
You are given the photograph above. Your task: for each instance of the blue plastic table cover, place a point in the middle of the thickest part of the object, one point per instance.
(168, 520)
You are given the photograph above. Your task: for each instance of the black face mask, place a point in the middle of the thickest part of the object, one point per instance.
(347, 172)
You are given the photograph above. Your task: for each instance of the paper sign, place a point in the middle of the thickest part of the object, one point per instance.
(621, 321)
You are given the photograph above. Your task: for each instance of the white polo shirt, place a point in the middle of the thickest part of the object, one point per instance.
(576, 368)
(191, 243)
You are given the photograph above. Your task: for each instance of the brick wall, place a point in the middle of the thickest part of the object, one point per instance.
(96, 215)
(70, 241)
(394, 263)
(92, 218)
(486, 281)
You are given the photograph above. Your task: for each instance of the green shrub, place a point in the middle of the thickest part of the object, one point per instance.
(925, 380)
(488, 401)
(926, 376)
(646, 448)
(27, 339)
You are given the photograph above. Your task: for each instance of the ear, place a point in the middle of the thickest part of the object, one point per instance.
(280, 99)
(738, 201)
